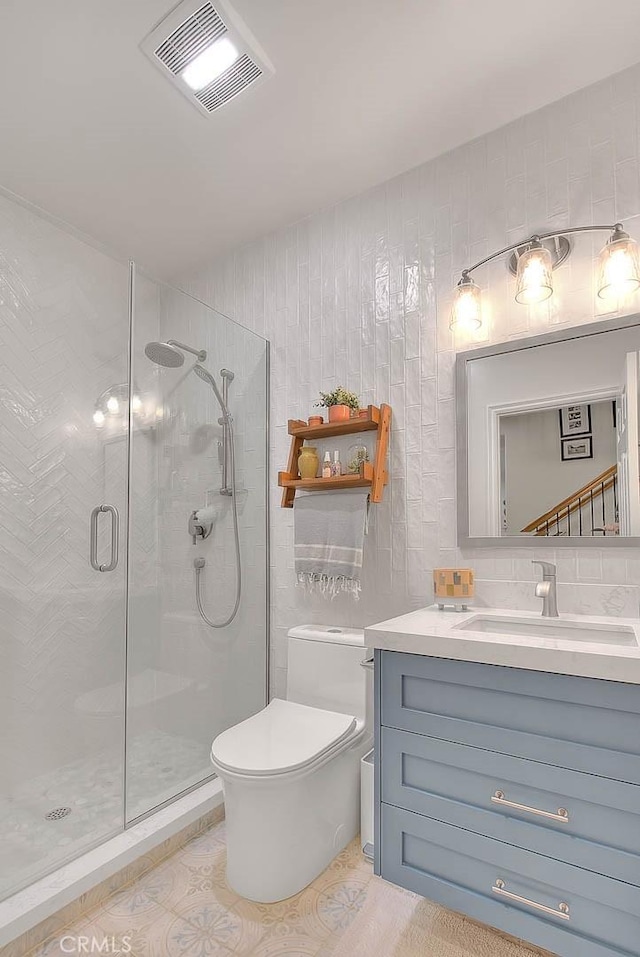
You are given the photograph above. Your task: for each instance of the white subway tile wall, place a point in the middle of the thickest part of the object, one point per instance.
(359, 294)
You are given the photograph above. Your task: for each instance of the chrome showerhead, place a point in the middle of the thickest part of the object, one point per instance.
(206, 376)
(164, 354)
(169, 353)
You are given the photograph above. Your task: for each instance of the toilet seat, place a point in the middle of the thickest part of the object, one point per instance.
(282, 738)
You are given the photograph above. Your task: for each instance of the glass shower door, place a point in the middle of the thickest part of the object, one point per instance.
(64, 335)
(188, 681)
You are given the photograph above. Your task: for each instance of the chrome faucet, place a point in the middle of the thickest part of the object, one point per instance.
(546, 589)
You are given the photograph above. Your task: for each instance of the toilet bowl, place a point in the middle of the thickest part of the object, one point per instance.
(291, 773)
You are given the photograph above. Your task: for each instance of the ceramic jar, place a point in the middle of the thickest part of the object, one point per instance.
(308, 462)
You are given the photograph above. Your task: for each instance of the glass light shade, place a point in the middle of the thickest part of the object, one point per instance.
(533, 280)
(618, 268)
(466, 312)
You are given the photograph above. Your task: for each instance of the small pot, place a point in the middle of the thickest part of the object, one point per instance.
(315, 420)
(339, 413)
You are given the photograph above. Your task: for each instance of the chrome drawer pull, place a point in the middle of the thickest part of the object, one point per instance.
(562, 911)
(561, 815)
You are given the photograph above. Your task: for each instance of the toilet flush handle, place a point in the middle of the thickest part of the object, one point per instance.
(366, 663)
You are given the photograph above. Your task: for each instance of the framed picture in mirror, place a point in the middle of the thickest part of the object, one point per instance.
(575, 420)
(579, 448)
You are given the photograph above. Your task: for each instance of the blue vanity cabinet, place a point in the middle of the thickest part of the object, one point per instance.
(512, 796)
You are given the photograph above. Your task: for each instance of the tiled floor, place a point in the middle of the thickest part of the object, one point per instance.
(184, 908)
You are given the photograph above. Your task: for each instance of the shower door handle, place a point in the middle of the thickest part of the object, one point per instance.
(115, 538)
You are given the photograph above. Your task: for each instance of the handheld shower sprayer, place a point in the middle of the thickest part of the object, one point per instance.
(170, 355)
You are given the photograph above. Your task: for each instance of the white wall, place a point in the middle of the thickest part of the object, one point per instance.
(536, 477)
(360, 295)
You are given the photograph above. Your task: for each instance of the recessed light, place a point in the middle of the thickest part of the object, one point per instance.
(211, 63)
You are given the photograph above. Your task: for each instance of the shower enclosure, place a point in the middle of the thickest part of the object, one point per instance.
(112, 684)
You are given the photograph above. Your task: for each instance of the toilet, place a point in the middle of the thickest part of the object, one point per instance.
(291, 773)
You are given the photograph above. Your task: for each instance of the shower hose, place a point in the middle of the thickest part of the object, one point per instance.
(199, 563)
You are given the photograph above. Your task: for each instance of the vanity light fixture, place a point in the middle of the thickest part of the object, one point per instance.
(467, 304)
(534, 282)
(533, 261)
(618, 265)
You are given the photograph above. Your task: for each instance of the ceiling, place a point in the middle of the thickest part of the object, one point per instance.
(92, 132)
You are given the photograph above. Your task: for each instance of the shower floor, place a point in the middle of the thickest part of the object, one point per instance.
(159, 766)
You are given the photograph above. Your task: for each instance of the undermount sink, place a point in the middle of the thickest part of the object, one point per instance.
(565, 630)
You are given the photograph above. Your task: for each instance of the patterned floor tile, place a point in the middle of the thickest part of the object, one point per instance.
(218, 924)
(198, 880)
(296, 916)
(184, 908)
(349, 865)
(144, 899)
(84, 937)
(340, 902)
(211, 843)
(298, 946)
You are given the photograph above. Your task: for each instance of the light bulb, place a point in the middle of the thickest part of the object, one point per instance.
(210, 63)
(113, 405)
(466, 312)
(98, 417)
(618, 266)
(136, 403)
(534, 282)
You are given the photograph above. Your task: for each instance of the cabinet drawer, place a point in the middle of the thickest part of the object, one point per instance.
(578, 723)
(565, 909)
(456, 783)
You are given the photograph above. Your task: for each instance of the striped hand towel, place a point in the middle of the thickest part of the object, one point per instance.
(329, 541)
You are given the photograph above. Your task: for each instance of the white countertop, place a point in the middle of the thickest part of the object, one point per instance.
(430, 631)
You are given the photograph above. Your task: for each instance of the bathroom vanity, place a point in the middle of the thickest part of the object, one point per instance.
(508, 772)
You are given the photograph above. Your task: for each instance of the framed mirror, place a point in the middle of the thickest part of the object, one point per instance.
(548, 431)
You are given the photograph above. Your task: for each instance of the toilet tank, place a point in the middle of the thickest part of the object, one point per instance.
(323, 668)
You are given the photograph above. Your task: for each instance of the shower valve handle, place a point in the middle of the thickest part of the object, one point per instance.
(196, 529)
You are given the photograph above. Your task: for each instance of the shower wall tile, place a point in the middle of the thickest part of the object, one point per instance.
(380, 270)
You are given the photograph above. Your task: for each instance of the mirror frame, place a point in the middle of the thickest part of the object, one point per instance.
(465, 540)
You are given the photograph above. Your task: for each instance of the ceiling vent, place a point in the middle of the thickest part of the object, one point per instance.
(208, 53)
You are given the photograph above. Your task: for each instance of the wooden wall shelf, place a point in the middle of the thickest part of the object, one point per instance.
(372, 474)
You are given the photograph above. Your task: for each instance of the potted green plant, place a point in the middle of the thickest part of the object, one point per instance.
(340, 403)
